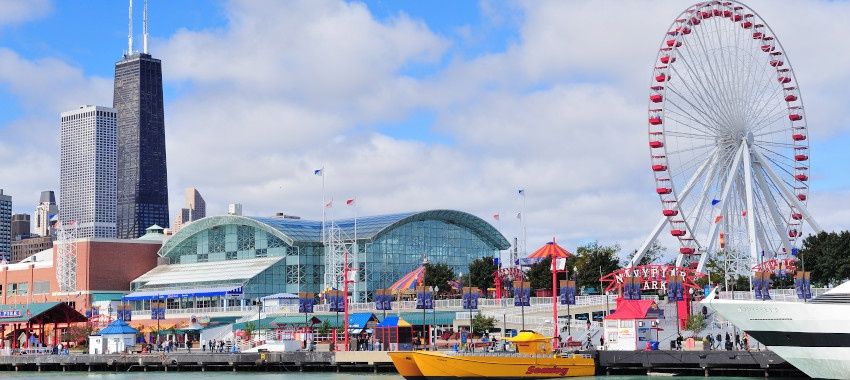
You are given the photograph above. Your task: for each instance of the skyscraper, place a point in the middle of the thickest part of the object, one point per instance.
(234, 209)
(142, 175)
(196, 208)
(5, 226)
(45, 209)
(87, 170)
(20, 226)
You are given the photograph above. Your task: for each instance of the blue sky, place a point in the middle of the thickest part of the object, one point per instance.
(408, 104)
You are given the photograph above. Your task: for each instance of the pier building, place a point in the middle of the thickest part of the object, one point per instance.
(231, 260)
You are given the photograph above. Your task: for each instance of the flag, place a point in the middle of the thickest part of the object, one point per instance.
(319, 172)
(715, 202)
(519, 215)
(329, 204)
(521, 192)
(496, 216)
(350, 202)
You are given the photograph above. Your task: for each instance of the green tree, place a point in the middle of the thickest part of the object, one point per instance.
(540, 274)
(481, 273)
(481, 323)
(695, 323)
(653, 254)
(438, 275)
(825, 255)
(249, 329)
(594, 259)
(324, 328)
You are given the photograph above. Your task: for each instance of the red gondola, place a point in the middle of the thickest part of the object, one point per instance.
(801, 197)
(672, 43)
(790, 98)
(670, 212)
(656, 144)
(798, 137)
(677, 232)
(662, 77)
(667, 59)
(694, 21)
(687, 250)
(767, 48)
(656, 98)
(686, 30)
(737, 18)
(659, 168)
(776, 63)
(792, 233)
(727, 13)
(796, 216)
(718, 12)
(705, 14)
(795, 117)
(801, 177)
(784, 79)
(663, 190)
(757, 35)
(746, 25)
(655, 120)
(801, 157)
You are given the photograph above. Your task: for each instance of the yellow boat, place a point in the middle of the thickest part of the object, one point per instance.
(533, 360)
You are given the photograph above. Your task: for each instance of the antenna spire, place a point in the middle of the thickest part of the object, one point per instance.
(130, 30)
(145, 27)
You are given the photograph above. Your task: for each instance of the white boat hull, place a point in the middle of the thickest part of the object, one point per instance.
(814, 337)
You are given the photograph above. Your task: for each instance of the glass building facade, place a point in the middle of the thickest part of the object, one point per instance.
(387, 247)
(142, 176)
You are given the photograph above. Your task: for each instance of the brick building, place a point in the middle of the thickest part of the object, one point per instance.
(105, 268)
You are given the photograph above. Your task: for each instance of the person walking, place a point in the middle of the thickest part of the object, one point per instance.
(738, 341)
(718, 341)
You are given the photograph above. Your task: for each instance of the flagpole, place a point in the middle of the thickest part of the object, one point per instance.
(324, 201)
(524, 228)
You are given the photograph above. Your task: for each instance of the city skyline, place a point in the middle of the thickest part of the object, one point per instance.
(407, 107)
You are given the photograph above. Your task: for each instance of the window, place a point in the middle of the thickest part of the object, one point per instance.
(262, 252)
(41, 287)
(230, 256)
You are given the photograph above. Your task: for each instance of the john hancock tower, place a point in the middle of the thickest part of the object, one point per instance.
(142, 176)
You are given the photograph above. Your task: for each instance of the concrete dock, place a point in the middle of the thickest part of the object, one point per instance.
(269, 361)
(695, 363)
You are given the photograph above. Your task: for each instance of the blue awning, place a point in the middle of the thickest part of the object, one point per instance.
(182, 293)
(359, 321)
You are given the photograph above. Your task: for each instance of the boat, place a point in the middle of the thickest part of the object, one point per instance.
(813, 336)
(534, 359)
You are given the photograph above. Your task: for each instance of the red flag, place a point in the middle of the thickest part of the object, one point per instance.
(496, 216)
(350, 202)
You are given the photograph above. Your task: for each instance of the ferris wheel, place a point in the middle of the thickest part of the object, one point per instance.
(728, 139)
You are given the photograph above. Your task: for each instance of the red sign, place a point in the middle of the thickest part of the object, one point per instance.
(652, 277)
(560, 371)
(788, 265)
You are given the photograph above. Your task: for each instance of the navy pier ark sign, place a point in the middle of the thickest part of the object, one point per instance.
(10, 313)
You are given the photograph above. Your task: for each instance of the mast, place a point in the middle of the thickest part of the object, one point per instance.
(130, 30)
(145, 28)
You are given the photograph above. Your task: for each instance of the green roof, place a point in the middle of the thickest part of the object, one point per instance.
(442, 317)
(106, 296)
(264, 323)
(46, 312)
(294, 320)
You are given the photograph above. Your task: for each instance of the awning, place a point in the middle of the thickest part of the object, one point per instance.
(359, 321)
(410, 280)
(182, 293)
(393, 321)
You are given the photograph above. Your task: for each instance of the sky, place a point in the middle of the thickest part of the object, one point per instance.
(407, 105)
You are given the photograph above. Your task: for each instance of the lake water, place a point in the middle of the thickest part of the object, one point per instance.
(243, 375)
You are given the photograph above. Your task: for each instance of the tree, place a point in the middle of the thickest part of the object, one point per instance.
(481, 323)
(540, 274)
(653, 254)
(695, 323)
(249, 329)
(481, 273)
(593, 259)
(825, 255)
(77, 334)
(438, 275)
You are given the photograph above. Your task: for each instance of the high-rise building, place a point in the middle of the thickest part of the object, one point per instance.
(44, 211)
(142, 175)
(21, 249)
(87, 170)
(196, 208)
(5, 226)
(234, 209)
(20, 226)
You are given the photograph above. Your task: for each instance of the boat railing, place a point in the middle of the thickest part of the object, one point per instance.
(784, 295)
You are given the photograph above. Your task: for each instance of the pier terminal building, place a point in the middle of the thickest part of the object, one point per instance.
(230, 260)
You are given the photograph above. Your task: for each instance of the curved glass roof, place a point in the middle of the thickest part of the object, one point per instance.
(294, 231)
(370, 227)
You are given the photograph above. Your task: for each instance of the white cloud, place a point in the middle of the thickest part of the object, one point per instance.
(285, 88)
(16, 11)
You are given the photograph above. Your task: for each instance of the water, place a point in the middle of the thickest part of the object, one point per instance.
(252, 376)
